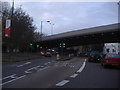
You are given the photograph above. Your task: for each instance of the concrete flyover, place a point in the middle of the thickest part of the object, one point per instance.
(100, 34)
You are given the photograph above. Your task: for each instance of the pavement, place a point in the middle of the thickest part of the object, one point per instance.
(20, 59)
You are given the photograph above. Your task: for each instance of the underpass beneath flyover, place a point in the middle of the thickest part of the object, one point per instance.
(101, 34)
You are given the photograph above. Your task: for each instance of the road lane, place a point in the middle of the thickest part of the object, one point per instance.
(49, 76)
(94, 76)
(12, 69)
(23, 66)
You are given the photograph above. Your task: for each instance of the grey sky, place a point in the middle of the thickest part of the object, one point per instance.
(69, 16)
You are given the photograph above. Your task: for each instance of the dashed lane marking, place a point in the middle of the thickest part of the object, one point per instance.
(74, 75)
(62, 83)
(23, 64)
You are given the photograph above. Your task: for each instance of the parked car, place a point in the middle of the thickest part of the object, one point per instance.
(95, 56)
(48, 54)
(111, 60)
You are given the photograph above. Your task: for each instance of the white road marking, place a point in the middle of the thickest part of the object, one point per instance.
(62, 83)
(12, 80)
(38, 68)
(28, 70)
(74, 75)
(43, 68)
(82, 67)
(11, 76)
(47, 63)
(56, 64)
(23, 64)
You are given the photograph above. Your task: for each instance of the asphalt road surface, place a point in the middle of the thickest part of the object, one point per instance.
(95, 76)
(41, 73)
(49, 73)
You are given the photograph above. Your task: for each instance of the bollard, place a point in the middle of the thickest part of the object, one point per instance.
(58, 56)
(69, 55)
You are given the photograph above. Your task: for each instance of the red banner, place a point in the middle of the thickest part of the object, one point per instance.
(7, 30)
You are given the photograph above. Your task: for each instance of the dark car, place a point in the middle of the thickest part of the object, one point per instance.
(95, 56)
(87, 53)
(111, 60)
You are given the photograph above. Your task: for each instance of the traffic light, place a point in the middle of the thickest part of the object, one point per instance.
(60, 45)
(37, 46)
(64, 45)
(41, 47)
(31, 44)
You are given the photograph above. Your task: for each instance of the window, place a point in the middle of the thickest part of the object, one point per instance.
(114, 50)
(108, 50)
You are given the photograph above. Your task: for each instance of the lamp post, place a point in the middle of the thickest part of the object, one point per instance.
(41, 27)
(52, 28)
(118, 12)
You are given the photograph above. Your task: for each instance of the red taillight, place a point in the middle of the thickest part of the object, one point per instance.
(98, 59)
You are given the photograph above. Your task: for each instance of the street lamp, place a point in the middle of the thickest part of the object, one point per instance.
(52, 28)
(41, 27)
(118, 12)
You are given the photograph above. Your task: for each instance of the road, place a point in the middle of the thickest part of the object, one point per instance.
(95, 76)
(41, 73)
(49, 73)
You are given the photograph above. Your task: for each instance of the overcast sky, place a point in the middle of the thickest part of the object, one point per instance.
(70, 16)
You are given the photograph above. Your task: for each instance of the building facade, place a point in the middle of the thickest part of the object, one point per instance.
(111, 48)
